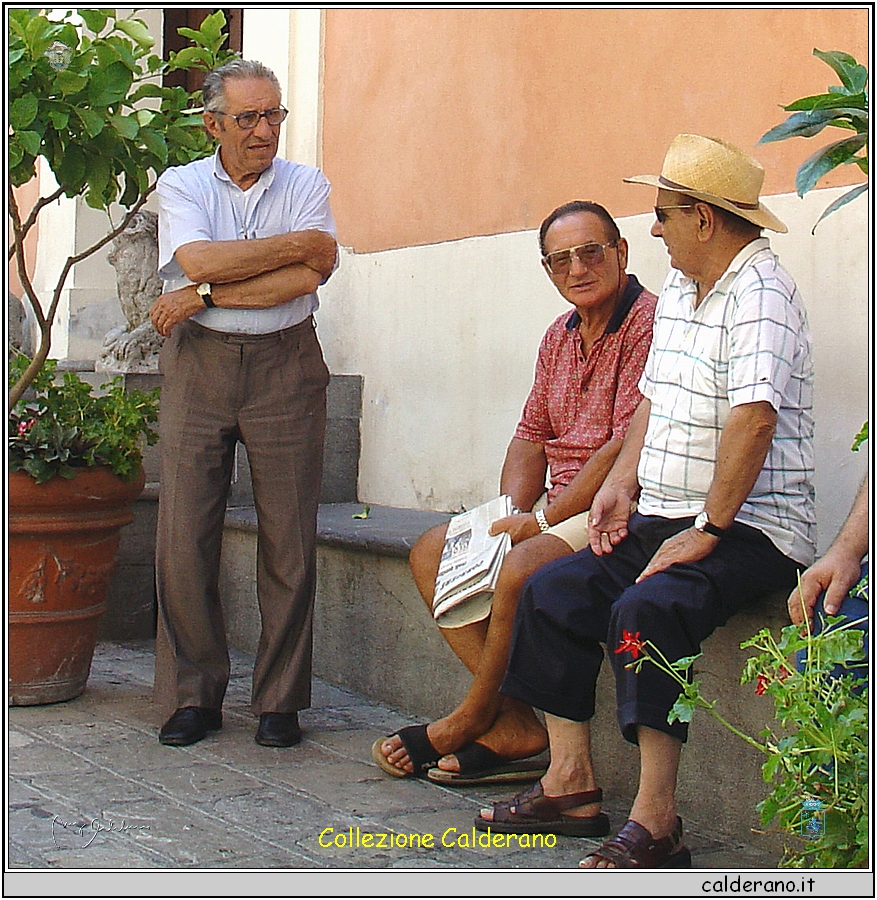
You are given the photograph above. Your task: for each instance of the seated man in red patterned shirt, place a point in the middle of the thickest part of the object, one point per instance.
(583, 397)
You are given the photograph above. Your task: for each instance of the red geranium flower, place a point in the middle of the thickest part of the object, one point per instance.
(761, 683)
(630, 641)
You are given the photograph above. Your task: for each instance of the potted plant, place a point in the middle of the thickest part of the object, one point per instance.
(84, 97)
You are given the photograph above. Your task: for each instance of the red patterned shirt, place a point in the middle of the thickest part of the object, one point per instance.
(577, 404)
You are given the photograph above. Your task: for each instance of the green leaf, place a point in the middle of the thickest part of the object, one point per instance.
(147, 89)
(834, 207)
(95, 19)
(92, 120)
(72, 168)
(853, 75)
(806, 124)
(138, 32)
(188, 56)
(826, 159)
(59, 118)
(30, 140)
(860, 438)
(109, 85)
(858, 102)
(22, 111)
(127, 126)
(683, 710)
(68, 82)
(154, 143)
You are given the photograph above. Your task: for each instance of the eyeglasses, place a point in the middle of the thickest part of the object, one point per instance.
(660, 211)
(591, 254)
(249, 120)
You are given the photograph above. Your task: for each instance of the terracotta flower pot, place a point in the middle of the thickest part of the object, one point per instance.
(63, 540)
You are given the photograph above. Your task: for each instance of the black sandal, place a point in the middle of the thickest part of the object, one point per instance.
(420, 751)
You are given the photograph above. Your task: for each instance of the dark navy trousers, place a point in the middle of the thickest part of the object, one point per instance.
(572, 606)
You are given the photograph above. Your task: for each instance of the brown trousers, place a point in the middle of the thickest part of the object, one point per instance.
(269, 392)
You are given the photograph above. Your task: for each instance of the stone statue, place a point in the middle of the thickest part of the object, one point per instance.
(134, 347)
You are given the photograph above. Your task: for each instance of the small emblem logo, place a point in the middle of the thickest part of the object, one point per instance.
(59, 56)
(812, 818)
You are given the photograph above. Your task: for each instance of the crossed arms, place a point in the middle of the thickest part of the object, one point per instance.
(251, 274)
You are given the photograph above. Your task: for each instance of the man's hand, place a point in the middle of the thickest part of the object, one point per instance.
(174, 307)
(520, 526)
(835, 574)
(690, 545)
(607, 524)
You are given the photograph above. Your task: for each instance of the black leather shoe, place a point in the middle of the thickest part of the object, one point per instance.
(189, 725)
(278, 730)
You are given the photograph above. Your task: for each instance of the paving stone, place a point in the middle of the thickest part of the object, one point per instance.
(227, 803)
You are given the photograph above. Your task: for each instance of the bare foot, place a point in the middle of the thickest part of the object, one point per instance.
(396, 755)
(516, 734)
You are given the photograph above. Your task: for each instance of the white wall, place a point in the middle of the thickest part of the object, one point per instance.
(446, 337)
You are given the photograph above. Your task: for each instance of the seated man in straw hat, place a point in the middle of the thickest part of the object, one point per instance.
(719, 458)
(578, 411)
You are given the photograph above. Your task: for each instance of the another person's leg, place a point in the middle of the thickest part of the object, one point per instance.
(283, 424)
(198, 434)
(676, 610)
(510, 728)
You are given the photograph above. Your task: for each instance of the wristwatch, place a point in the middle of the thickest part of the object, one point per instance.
(702, 523)
(204, 292)
(541, 521)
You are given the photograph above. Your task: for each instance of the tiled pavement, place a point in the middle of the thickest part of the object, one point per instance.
(90, 787)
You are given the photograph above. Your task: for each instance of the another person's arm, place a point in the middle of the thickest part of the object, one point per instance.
(839, 569)
(610, 510)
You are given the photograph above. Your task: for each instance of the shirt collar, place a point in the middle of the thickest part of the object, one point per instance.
(264, 180)
(737, 263)
(628, 298)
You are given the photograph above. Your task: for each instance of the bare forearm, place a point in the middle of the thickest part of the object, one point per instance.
(578, 495)
(259, 292)
(267, 290)
(523, 473)
(223, 262)
(852, 539)
(746, 438)
(623, 474)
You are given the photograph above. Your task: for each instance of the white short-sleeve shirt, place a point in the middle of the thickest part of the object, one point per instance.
(199, 202)
(748, 341)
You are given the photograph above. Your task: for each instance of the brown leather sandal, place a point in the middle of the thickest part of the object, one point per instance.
(635, 848)
(531, 812)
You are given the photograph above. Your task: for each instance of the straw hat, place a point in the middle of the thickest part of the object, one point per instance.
(716, 172)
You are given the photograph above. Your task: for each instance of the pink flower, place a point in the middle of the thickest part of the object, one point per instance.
(630, 641)
(24, 427)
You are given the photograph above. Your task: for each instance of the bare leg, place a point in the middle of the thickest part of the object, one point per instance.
(483, 647)
(655, 804)
(506, 726)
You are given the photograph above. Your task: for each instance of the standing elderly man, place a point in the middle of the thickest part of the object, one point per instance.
(584, 394)
(719, 458)
(245, 239)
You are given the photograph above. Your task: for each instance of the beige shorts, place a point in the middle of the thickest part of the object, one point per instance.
(572, 531)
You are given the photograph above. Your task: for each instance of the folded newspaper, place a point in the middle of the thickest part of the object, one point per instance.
(470, 564)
